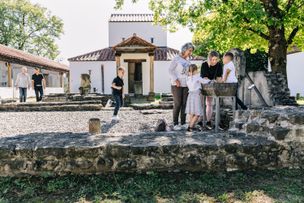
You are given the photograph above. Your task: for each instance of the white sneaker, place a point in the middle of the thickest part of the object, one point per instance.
(177, 128)
(115, 118)
(184, 127)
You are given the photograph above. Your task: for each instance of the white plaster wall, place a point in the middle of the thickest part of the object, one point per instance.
(78, 68)
(145, 30)
(109, 75)
(162, 82)
(295, 72)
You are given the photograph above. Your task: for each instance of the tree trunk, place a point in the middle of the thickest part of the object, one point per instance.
(277, 50)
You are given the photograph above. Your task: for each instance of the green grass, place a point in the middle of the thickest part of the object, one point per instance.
(300, 102)
(254, 186)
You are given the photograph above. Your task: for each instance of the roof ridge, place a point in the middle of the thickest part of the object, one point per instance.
(131, 17)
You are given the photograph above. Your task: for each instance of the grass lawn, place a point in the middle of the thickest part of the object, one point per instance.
(300, 102)
(254, 186)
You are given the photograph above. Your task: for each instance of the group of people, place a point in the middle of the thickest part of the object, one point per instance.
(24, 83)
(186, 85)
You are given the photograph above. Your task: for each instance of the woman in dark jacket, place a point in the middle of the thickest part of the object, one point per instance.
(211, 69)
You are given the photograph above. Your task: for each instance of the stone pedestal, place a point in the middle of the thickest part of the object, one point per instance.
(94, 126)
(151, 97)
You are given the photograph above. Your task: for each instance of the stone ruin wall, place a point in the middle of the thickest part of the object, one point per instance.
(273, 86)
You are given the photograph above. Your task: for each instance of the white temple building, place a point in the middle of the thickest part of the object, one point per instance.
(138, 45)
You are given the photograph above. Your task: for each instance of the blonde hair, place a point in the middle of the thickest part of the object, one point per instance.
(121, 68)
(192, 68)
(24, 68)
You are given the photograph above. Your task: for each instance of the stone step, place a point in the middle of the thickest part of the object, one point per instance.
(83, 107)
(166, 95)
(167, 99)
(166, 102)
(39, 104)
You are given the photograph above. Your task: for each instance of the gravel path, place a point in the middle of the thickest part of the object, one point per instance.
(20, 123)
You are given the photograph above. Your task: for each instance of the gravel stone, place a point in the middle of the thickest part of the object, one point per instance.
(131, 121)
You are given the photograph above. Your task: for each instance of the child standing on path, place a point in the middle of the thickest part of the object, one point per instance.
(194, 102)
(117, 89)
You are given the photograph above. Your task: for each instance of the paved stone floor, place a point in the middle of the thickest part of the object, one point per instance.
(21, 123)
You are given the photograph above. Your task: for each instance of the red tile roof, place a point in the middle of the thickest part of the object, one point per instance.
(12, 55)
(108, 54)
(131, 18)
(134, 41)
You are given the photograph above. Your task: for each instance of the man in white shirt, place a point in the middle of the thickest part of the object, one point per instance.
(229, 76)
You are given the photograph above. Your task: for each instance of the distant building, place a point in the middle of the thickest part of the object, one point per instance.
(138, 45)
(11, 61)
(295, 72)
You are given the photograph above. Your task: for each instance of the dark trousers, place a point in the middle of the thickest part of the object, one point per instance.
(239, 102)
(180, 95)
(22, 94)
(118, 103)
(38, 93)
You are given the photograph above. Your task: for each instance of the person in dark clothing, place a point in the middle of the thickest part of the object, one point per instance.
(211, 69)
(38, 83)
(117, 91)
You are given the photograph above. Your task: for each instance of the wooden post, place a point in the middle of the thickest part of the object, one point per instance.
(204, 112)
(61, 79)
(69, 82)
(217, 113)
(151, 93)
(9, 75)
(117, 59)
(94, 126)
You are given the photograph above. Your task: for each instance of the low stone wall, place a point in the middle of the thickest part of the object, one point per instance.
(51, 106)
(62, 154)
(280, 123)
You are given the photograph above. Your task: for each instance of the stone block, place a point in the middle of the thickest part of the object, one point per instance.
(279, 133)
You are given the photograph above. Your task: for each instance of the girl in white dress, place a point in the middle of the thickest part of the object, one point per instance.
(194, 105)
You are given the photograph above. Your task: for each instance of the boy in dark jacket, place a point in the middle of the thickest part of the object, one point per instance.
(117, 90)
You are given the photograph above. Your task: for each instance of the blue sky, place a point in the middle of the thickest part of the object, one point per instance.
(86, 24)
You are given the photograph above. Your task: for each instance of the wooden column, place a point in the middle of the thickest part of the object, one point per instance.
(9, 75)
(117, 59)
(61, 80)
(151, 93)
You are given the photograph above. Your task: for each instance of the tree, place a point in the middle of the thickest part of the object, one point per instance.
(265, 25)
(29, 27)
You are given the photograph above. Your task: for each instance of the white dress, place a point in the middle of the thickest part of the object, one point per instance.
(194, 100)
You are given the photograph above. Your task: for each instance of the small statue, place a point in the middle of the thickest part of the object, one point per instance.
(85, 85)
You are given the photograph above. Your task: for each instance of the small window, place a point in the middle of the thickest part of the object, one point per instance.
(152, 40)
(123, 39)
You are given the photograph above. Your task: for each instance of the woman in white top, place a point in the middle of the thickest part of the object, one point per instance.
(194, 102)
(178, 71)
